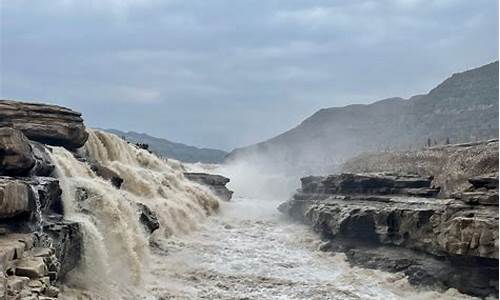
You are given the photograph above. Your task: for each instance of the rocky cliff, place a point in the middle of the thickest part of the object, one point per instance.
(38, 246)
(463, 108)
(71, 214)
(395, 222)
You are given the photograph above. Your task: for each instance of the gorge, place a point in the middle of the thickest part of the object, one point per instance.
(86, 214)
(110, 220)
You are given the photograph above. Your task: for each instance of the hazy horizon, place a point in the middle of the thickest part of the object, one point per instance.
(227, 74)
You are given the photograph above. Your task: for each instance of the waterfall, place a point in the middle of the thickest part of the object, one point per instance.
(38, 208)
(116, 249)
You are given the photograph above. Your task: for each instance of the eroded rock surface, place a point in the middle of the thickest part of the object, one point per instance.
(368, 211)
(48, 124)
(216, 183)
(37, 245)
(14, 197)
(26, 268)
(16, 154)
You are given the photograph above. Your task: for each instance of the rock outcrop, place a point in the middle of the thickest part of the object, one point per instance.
(148, 218)
(27, 270)
(48, 124)
(16, 154)
(107, 174)
(372, 217)
(216, 183)
(37, 245)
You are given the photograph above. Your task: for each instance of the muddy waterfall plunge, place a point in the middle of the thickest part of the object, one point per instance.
(204, 248)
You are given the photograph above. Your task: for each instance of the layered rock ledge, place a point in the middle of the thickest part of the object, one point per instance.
(216, 183)
(38, 247)
(48, 124)
(394, 222)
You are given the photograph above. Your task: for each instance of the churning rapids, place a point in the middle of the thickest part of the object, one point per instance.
(243, 249)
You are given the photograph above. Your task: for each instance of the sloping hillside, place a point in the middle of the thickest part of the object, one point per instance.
(173, 150)
(451, 165)
(461, 109)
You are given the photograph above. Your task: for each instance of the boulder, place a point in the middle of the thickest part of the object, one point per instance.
(14, 197)
(16, 154)
(216, 183)
(488, 181)
(148, 218)
(47, 124)
(33, 267)
(107, 174)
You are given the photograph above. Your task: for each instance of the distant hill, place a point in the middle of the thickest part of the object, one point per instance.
(173, 150)
(463, 108)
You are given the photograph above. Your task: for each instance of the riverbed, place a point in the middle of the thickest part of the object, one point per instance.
(250, 251)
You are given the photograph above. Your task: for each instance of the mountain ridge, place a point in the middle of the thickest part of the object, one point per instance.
(175, 150)
(462, 108)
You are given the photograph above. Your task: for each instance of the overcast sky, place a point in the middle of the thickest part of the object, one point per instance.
(229, 73)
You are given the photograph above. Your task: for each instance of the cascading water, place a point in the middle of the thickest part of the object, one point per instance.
(116, 251)
(246, 252)
(38, 209)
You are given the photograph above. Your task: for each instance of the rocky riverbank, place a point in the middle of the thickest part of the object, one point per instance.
(39, 246)
(395, 222)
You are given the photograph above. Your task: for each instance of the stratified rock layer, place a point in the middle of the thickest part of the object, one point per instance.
(48, 124)
(16, 154)
(363, 212)
(14, 197)
(216, 183)
(37, 245)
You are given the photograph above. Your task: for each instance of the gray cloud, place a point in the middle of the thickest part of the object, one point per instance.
(229, 73)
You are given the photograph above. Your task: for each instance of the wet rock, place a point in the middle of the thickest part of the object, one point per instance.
(31, 267)
(216, 183)
(16, 154)
(19, 197)
(67, 241)
(48, 124)
(488, 181)
(374, 211)
(148, 218)
(17, 283)
(52, 291)
(427, 270)
(325, 246)
(14, 197)
(107, 174)
(43, 163)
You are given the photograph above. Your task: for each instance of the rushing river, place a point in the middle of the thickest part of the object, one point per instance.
(205, 248)
(249, 251)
